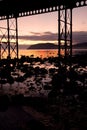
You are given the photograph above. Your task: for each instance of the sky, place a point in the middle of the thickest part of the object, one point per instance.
(44, 27)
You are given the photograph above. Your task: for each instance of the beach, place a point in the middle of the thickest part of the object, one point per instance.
(53, 88)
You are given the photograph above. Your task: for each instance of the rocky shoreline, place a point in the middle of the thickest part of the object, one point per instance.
(54, 87)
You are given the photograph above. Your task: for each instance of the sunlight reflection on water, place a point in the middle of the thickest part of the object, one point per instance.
(47, 53)
(39, 53)
(44, 53)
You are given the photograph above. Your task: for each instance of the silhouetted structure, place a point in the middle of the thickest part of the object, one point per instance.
(11, 10)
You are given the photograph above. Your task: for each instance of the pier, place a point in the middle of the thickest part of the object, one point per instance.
(10, 11)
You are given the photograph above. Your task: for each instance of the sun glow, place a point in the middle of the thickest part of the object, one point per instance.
(29, 42)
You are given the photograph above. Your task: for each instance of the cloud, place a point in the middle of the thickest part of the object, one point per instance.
(35, 33)
(46, 36)
(80, 36)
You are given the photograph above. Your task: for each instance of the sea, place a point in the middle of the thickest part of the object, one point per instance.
(44, 53)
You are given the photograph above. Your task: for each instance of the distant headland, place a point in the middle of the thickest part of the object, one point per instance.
(43, 46)
(53, 46)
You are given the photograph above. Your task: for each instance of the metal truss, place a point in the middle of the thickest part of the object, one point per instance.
(9, 33)
(9, 39)
(73, 4)
(65, 32)
(81, 3)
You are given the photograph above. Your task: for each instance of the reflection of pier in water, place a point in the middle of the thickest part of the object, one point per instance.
(11, 10)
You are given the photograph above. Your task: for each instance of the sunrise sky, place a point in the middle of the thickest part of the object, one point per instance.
(44, 27)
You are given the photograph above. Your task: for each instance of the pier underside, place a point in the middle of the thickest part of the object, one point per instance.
(11, 10)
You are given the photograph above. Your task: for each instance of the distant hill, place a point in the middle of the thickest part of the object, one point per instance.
(43, 46)
(80, 45)
(53, 46)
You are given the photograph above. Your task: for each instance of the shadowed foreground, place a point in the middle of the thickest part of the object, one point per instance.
(15, 118)
(64, 107)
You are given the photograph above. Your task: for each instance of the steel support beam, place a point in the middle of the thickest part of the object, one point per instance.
(65, 32)
(21, 10)
(9, 39)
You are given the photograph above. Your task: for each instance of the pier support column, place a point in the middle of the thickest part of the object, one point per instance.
(9, 39)
(65, 32)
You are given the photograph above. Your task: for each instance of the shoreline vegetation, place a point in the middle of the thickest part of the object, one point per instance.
(56, 87)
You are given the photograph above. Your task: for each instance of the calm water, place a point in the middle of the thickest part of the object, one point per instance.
(38, 53)
(44, 53)
(47, 53)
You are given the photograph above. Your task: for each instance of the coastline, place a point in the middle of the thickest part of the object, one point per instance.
(46, 87)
